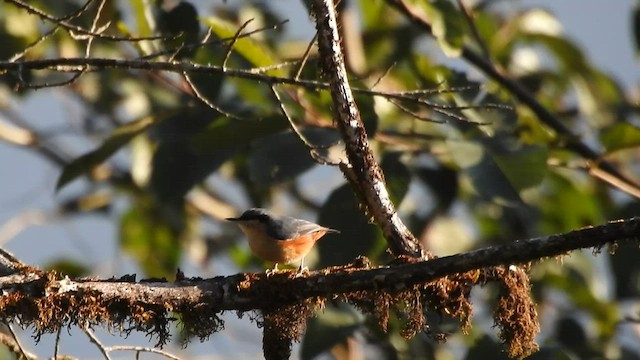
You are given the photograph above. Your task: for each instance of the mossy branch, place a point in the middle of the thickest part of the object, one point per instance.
(48, 301)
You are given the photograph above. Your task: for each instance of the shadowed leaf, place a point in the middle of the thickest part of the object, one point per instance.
(280, 157)
(620, 136)
(118, 138)
(234, 132)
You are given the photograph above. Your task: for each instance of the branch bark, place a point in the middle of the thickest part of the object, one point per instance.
(256, 291)
(363, 172)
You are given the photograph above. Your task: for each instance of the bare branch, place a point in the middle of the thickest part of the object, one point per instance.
(305, 56)
(368, 179)
(250, 291)
(94, 339)
(313, 150)
(73, 28)
(233, 42)
(139, 349)
(98, 64)
(18, 346)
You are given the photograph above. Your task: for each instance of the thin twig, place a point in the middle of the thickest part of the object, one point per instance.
(413, 113)
(96, 64)
(42, 38)
(209, 42)
(140, 349)
(73, 28)
(56, 348)
(94, 339)
(233, 42)
(383, 75)
(311, 147)
(94, 27)
(206, 101)
(305, 56)
(474, 29)
(76, 13)
(23, 352)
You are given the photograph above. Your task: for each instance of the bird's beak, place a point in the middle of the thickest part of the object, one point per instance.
(232, 219)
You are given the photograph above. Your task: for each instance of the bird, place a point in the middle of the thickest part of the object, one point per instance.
(279, 239)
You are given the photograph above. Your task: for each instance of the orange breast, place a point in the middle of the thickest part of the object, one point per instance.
(281, 251)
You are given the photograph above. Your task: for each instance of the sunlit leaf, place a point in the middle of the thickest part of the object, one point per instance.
(138, 12)
(620, 136)
(234, 132)
(524, 167)
(487, 178)
(249, 48)
(447, 24)
(118, 138)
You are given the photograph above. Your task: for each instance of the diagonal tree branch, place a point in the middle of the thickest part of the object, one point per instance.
(363, 171)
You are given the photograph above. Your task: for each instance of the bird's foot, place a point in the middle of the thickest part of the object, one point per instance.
(271, 272)
(302, 270)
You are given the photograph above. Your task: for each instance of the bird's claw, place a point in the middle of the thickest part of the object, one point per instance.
(271, 272)
(302, 271)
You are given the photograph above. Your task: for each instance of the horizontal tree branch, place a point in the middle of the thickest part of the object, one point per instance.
(252, 291)
(75, 65)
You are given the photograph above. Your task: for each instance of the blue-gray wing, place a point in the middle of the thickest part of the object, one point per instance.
(285, 228)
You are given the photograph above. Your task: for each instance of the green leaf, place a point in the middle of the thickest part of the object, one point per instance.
(486, 177)
(247, 47)
(447, 24)
(228, 132)
(180, 20)
(283, 156)
(357, 235)
(397, 176)
(524, 167)
(118, 138)
(620, 136)
(572, 205)
(138, 12)
(146, 235)
(499, 171)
